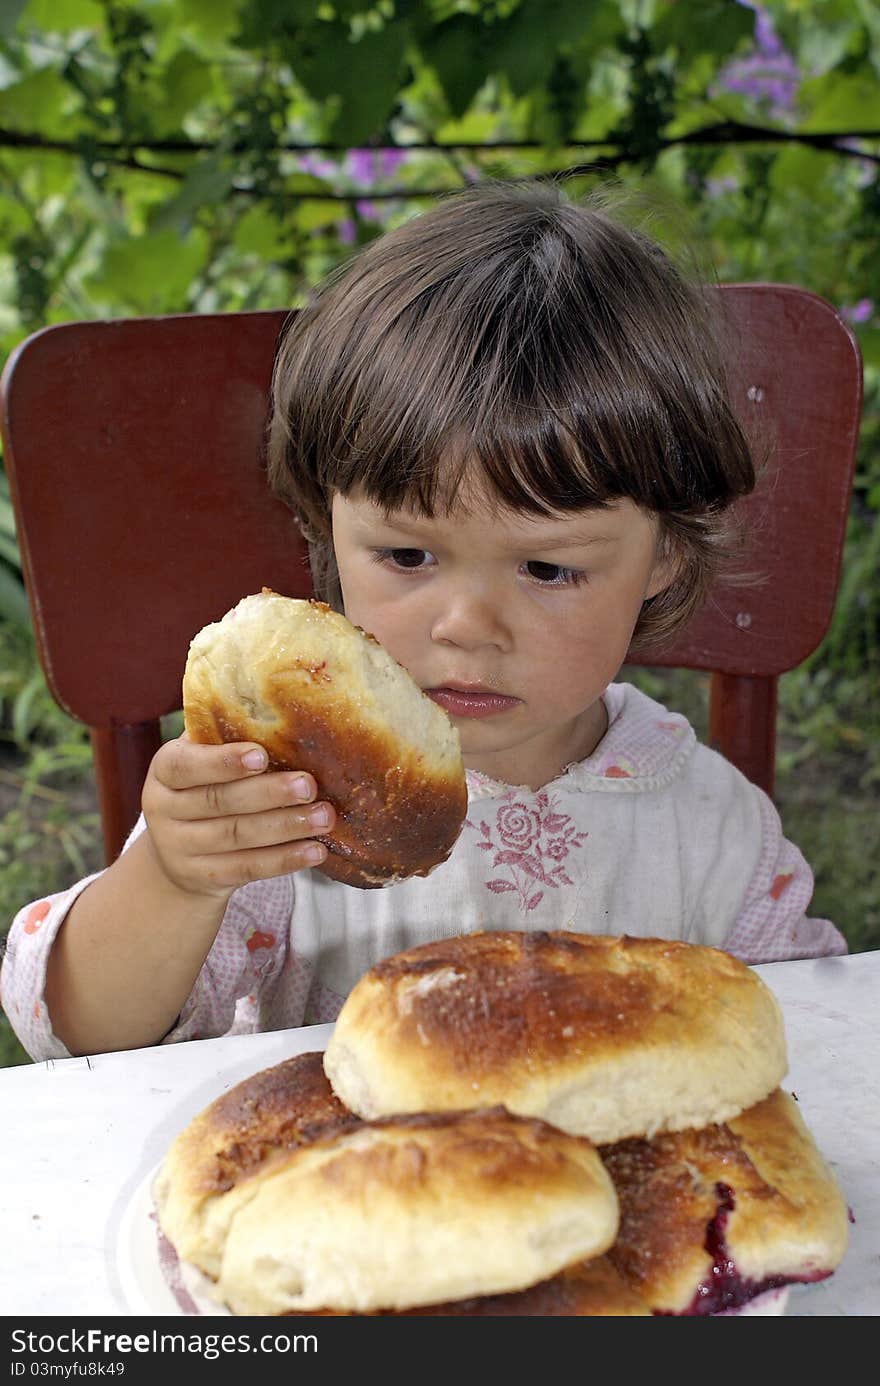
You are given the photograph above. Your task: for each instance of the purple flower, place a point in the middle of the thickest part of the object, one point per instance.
(361, 164)
(370, 166)
(346, 231)
(367, 210)
(766, 40)
(769, 74)
(862, 311)
(390, 161)
(319, 168)
(716, 187)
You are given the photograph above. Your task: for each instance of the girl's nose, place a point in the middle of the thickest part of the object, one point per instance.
(471, 619)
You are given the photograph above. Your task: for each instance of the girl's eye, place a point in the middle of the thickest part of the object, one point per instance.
(403, 558)
(553, 575)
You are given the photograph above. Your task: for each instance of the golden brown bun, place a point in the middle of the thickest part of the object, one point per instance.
(321, 695)
(416, 1210)
(753, 1196)
(806, 1232)
(587, 1289)
(603, 1037)
(247, 1129)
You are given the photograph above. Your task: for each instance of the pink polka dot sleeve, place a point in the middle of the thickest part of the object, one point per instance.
(250, 981)
(773, 925)
(236, 991)
(23, 975)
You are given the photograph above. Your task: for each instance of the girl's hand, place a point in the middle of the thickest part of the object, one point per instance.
(217, 819)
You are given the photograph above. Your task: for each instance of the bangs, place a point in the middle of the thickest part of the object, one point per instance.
(537, 414)
(560, 354)
(511, 346)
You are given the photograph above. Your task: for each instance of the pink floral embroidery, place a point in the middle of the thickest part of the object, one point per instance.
(532, 844)
(518, 827)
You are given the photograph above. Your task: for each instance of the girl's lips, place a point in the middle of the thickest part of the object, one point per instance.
(475, 702)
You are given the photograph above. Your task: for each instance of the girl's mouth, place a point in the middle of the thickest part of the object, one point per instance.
(472, 702)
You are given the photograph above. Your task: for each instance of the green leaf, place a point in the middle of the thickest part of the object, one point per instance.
(216, 19)
(701, 26)
(185, 82)
(207, 183)
(363, 77)
(821, 48)
(311, 216)
(25, 709)
(525, 46)
(61, 16)
(13, 602)
(843, 101)
(456, 51)
(39, 102)
(869, 344)
(9, 552)
(150, 273)
(263, 23)
(9, 14)
(799, 167)
(259, 232)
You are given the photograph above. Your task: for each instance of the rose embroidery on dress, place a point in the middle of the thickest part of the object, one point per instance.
(531, 844)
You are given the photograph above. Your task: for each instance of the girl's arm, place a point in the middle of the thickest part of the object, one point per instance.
(134, 941)
(127, 955)
(772, 925)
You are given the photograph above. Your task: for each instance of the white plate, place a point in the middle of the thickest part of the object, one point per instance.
(154, 1281)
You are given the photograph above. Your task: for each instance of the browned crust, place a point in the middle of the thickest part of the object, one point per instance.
(548, 999)
(468, 1151)
(273, 1111)
(667, 1193)
(396, 816)
(587, 1289)
(807, 1208)
(393, 819)
(779, 1205)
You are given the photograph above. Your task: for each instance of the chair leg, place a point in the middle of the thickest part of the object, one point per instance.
(742, 724)
(122, 756)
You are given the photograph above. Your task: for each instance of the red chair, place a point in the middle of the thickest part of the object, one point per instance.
(134, 452)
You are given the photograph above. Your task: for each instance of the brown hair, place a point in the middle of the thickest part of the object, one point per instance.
(545, 342)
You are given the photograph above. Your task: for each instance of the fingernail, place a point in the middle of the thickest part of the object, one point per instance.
(319, 817)
(302, 788)
(314, 853)
(254, 760)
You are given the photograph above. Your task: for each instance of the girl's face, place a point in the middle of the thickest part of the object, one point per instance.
(515, 624)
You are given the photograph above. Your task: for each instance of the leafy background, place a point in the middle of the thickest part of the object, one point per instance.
(161, 156)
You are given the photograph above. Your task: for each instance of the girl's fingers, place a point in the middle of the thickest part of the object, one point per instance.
(234, 869)
(185, 764)
(246, 832)
(279, 789)
(185, 770)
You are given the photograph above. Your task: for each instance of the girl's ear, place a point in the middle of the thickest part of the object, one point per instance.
(667, 567)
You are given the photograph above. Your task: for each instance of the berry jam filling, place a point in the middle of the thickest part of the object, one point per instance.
(724, 1287)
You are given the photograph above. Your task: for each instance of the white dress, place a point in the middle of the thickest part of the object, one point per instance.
(653, 835)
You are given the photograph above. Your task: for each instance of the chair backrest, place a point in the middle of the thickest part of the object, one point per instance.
(134, 452)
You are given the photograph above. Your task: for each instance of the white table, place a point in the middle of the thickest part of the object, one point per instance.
(81, 1135)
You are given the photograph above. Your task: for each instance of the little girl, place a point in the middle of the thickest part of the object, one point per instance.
(505, 430)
